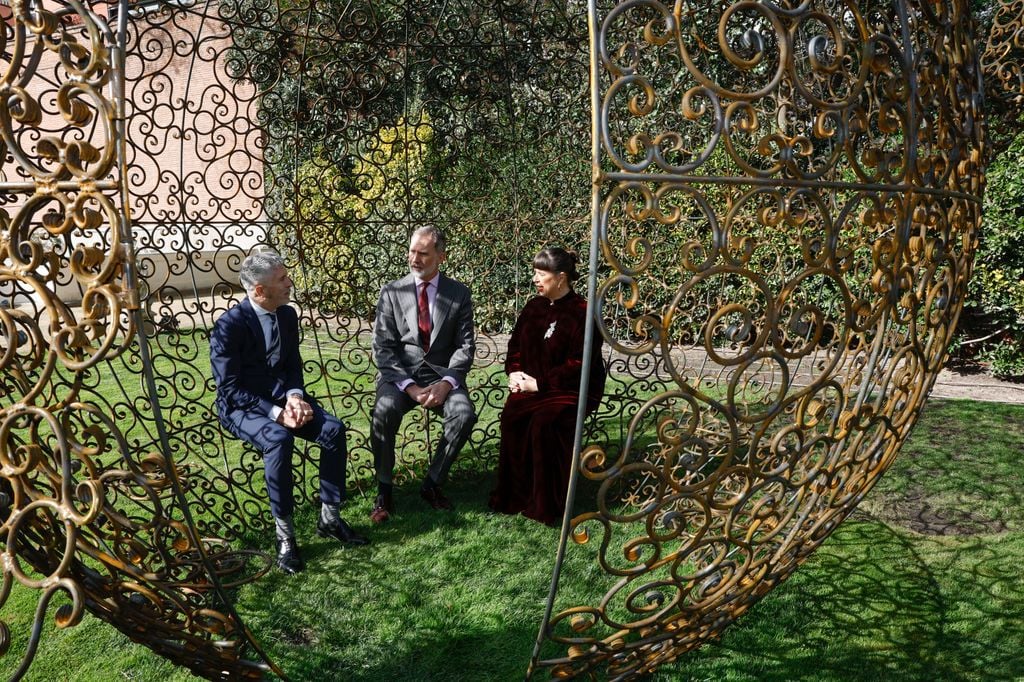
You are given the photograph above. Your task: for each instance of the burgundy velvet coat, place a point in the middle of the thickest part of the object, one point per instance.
(537, 429)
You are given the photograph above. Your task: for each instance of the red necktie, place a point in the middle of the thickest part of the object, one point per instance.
(423, 319)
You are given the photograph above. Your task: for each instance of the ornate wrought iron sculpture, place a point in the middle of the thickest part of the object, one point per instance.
(85, 511)
(1003, 63)
(823, 162)
(785, 202)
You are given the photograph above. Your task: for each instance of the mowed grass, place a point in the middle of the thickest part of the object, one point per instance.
(922, 583)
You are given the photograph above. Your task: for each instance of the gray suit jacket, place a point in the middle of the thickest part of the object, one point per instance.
(396, 342)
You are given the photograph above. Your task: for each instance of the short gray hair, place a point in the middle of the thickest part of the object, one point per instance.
(257, 267)
(440, 243)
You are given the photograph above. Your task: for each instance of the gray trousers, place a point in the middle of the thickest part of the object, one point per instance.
(392, 405)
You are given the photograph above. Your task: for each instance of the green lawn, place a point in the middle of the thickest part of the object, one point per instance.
(921, 584)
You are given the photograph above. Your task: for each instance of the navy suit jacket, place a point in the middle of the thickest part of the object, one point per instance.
(238, 356)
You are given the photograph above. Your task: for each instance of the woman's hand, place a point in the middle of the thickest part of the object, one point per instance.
(521, 382)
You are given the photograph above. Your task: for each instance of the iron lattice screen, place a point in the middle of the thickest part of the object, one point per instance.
(784, 207)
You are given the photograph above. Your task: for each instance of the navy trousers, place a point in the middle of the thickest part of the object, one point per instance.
(277, 443)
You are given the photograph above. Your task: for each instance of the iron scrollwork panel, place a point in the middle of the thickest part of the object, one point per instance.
(90, 519)
(790, 199)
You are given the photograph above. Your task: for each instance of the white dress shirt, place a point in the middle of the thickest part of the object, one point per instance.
(264, 316)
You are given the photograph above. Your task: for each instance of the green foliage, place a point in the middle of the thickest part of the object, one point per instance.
(380, 118)
(501, 202)
(344, 252)
(996, 300)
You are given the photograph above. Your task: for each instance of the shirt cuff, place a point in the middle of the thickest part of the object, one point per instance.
(296, 391)
(403, 384)
(275, 412)
(452, 381)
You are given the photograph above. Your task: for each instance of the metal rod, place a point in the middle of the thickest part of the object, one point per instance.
(588, 335)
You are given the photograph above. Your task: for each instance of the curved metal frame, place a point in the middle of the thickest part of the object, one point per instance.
(783, 211)
(823, 166)
(130, 549)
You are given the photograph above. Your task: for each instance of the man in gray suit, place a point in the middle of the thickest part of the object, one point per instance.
(423, 345)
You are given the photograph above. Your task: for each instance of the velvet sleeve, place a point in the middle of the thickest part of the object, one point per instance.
(513, 361)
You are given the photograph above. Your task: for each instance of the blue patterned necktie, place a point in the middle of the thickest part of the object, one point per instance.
(274, 347)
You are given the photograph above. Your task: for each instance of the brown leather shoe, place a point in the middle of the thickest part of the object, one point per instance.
(436, 499)
(382, 509)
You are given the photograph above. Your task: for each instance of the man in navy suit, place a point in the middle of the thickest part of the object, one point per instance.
(423, 345)
(254, 351)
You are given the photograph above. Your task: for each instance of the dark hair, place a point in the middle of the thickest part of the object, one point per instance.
(440, 243)
(557, 259)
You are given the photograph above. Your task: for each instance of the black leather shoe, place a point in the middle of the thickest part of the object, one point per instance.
(341, 532)
(435, 498)
(288, 558)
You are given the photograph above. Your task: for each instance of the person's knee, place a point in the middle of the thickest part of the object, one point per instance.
(386, 416)
(463, 418)
(333, 431)
(277, 438)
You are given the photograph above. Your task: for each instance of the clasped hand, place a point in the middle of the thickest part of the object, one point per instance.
(430, 396)
(297, 412)
(521, 382)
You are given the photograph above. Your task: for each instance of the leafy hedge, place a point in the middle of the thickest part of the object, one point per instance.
(489, 139)
(992, 327)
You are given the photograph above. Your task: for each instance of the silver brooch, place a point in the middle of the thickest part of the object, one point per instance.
(551, 330)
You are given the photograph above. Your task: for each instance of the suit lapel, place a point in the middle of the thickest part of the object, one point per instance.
(442, 306)
(252, 319)
(407, 302)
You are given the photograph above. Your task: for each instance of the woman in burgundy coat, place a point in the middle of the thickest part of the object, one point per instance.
(544, 365)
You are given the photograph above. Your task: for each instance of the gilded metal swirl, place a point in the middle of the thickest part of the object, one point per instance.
(789, 203)
(786, 204)
(1003, 61)
(88, 510)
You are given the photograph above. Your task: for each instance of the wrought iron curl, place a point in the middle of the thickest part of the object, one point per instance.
(788, 202)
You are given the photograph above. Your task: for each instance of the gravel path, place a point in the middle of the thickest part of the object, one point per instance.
(977, 385)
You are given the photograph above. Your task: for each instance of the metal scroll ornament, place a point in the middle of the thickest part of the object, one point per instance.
(820, 165)
(87, 516)
(786, 200)
(1003, 62)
